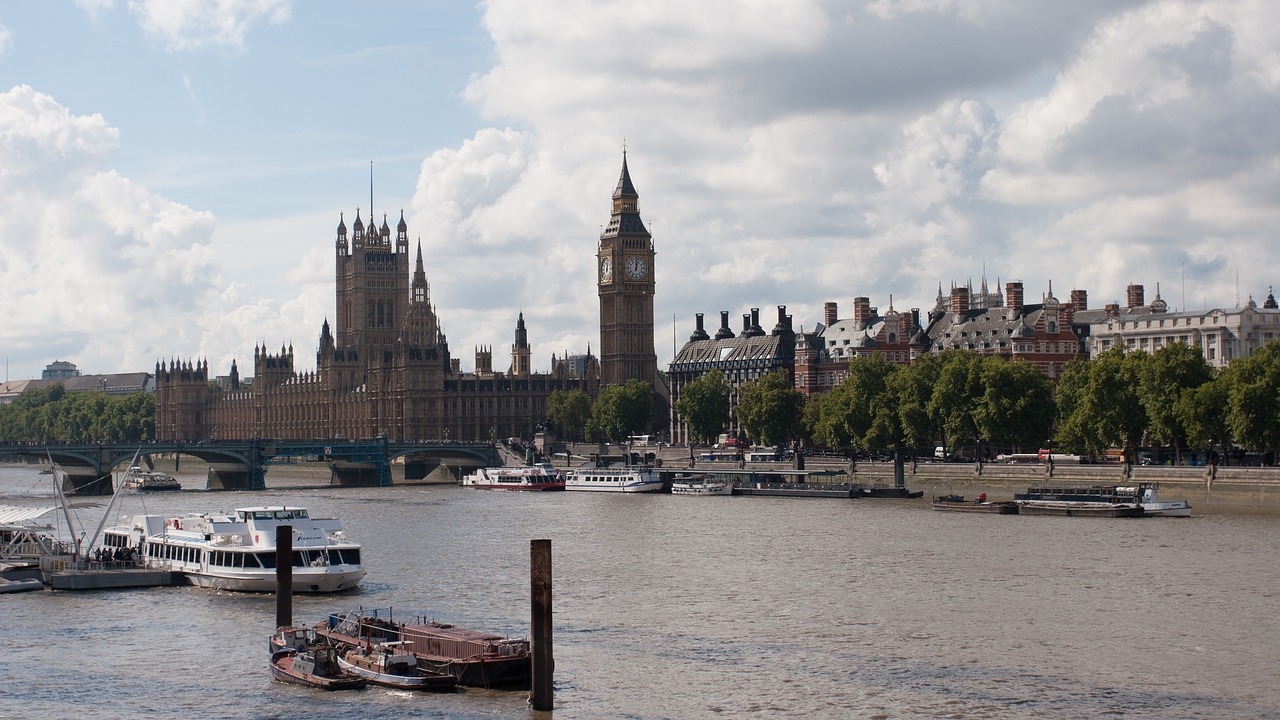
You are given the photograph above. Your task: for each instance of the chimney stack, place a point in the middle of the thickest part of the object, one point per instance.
(1013, 296)
(724, 332)
(959, 300)
(829, 314)
(861, 311)
(1134, 296)
(700, 333)
(1079, 300)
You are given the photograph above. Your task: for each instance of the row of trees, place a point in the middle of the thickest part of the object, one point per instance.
(617, 412)
(51, 414)
(985, 404)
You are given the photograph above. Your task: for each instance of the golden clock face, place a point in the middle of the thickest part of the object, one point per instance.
(606, 269)
(636, 268)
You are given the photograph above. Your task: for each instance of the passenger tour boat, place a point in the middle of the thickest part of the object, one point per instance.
(701, 485)
(534, 477)
(237, 551)
(631, 479)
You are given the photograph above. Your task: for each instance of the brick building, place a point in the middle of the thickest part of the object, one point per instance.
(383, 368)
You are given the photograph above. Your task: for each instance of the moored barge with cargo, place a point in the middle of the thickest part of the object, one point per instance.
(475, 658)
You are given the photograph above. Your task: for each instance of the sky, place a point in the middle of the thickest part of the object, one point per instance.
(172, 172)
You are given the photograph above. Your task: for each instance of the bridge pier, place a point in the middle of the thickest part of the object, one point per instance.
(86, 483)
(359, 474)
(420, 468)
(230, 476)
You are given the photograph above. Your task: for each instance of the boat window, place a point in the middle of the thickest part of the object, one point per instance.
(267, 560)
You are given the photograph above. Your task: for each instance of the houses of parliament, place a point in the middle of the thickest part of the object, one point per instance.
(385, 369)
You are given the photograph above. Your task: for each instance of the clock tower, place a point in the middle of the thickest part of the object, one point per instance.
(624, 280)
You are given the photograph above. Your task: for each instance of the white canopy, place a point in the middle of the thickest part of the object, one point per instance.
(11, 515)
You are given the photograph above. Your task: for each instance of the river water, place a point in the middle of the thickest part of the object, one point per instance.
(723, 607)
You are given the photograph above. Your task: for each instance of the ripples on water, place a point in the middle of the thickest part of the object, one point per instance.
(670, 607)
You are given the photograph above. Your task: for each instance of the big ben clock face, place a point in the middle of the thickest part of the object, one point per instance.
(636, 268)
(606, 270)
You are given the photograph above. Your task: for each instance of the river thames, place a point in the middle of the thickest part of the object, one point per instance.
(720, 607)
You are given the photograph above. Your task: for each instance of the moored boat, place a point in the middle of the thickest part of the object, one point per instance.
(1078, 509)
(1153, 506)
(534, 477)
(474, 658)
(140, 480)
(314, 667)
(392, 664)
(957, 503)
(1080, 501)
(628, 479)
(237, 551)
(16, 586)
(701, 485)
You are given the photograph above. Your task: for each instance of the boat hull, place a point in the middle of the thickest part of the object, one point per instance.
(999, 508)
(431, 681)
(636, 487)
(282, 669)
(1078, 509)
(17, 586)
(708, 489)
(265, 582)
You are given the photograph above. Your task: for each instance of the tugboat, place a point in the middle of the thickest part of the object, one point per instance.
(392, 664)
(315, 667)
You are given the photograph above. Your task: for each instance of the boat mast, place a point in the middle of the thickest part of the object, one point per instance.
(133, 464)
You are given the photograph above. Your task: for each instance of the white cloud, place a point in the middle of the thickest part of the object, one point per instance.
(6, 39)
(815, 152)
(189, 24)
(92, 265)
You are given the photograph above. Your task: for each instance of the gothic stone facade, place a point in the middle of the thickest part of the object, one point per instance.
(384, 369)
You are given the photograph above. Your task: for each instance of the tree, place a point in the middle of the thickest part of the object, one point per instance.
(770, 409)
(956, 396)
(1016, 409)
(910, 388)
(1169, 373)
(1253, 410)
(704, 406)
(848, 412)
(620, 411)
(1105, 411)
(1072, 430)
(1202, 413)
(569, 410)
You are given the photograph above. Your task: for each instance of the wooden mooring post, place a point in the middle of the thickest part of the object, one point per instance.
(542, 693)
(284, 575)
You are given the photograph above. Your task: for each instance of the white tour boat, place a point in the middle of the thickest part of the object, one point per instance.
(631, 479)
(237, 551)
(701, 485)
(533, 477)
(140, 480)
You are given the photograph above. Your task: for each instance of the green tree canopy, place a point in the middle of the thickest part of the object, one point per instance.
(1165, 377)
(1016, 409)
(704, 406)
(620, 411)
(1202, 413)
(569, 410)
(956, 396)
(770, 409)
(1254, 399)
(51, 414)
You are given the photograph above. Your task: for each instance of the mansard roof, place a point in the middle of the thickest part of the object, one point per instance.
(760, 350)
(988, 327)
